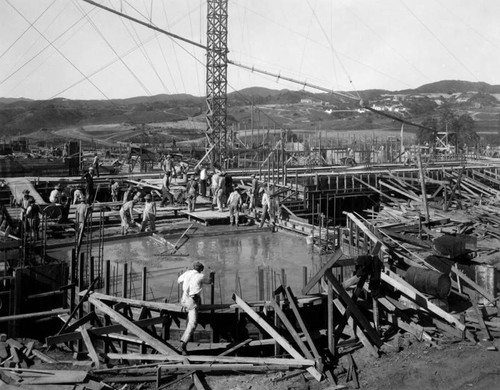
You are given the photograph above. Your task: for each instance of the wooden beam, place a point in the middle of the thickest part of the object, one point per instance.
(364, 340)
(90, 347)
(214, 359)
(401, 285)
(274, 334)
(317, 277)
(473, 284)
(130, 326)
(354, 309)
(65, 337)
(288, 325)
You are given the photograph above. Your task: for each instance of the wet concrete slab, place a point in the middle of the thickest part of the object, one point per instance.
(234, 254)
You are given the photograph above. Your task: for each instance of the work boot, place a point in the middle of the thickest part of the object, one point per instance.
(183, 348)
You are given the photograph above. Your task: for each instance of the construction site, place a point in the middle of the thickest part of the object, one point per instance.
(344, 262)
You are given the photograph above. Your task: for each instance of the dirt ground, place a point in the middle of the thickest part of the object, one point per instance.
(458, 366)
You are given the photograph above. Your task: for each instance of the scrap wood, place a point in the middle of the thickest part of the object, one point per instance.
(421, 300)
(364, 340)
(274, 334)
(356, 312)
(474, 285)
(156, 344)
(54, 377)
(296, 362)
(317, 277)
(353, 371)
(479, 314)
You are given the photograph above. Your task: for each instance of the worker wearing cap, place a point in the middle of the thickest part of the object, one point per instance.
(149, 214)
(234, 202)
(24, 201)
(192, 281)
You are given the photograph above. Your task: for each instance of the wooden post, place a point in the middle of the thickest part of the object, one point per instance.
(124, 295)
(260, 283)
(331, 336)
(144, 284)
(304, 276)
(107, 277)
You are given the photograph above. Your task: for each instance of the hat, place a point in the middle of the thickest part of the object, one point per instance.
(147, 197)
(57, 186)
(31, 200)
(26, 191)
(252, 175)
(169, 156)
(91, 168)
(261, 190)
(198, 266)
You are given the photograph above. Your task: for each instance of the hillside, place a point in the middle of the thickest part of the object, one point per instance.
(284, 107)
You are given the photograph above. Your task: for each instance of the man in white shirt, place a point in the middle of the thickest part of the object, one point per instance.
(192, 281)
(149, 214)
(55, 195)
(234, 203)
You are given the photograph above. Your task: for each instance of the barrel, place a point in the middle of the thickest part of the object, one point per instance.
(429, 282)
(486, 277)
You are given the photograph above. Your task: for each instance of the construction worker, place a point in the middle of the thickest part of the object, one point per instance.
(149, 214)
(192, 281)
(115, 190)
(234, 202)
(127, 215)
(80, 214)
(214, 186)
(95, 164)
(78, 196)
(33, 218)
(254, 195)
(89, 185)
(23, 203)
(55, 195)
(166, 195)
(192, 193)
(203, 180)
(268, 208)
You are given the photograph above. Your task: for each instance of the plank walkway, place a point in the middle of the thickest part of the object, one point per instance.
(207, 216)
(18, 184)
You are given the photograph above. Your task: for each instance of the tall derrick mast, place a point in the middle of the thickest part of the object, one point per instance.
(217, 78)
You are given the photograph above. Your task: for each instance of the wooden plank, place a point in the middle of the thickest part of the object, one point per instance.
(288, 325)
(399, 284)
(293, 305)
(90, 347)
(274, 334)
(301, 362)
(364, 340)
(130, 326)
(354, 309)
(473, 284)
(317, 277)
(236, 347)
(156, 306)
(65, 337)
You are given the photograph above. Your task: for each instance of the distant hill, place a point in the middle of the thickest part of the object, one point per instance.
(26, 115)
(453, 86)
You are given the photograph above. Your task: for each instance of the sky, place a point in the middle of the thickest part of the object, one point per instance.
(71, 49)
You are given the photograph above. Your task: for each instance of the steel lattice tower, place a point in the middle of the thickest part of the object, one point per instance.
(217, 77)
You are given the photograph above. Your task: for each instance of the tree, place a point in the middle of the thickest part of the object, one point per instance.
(428, 136)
